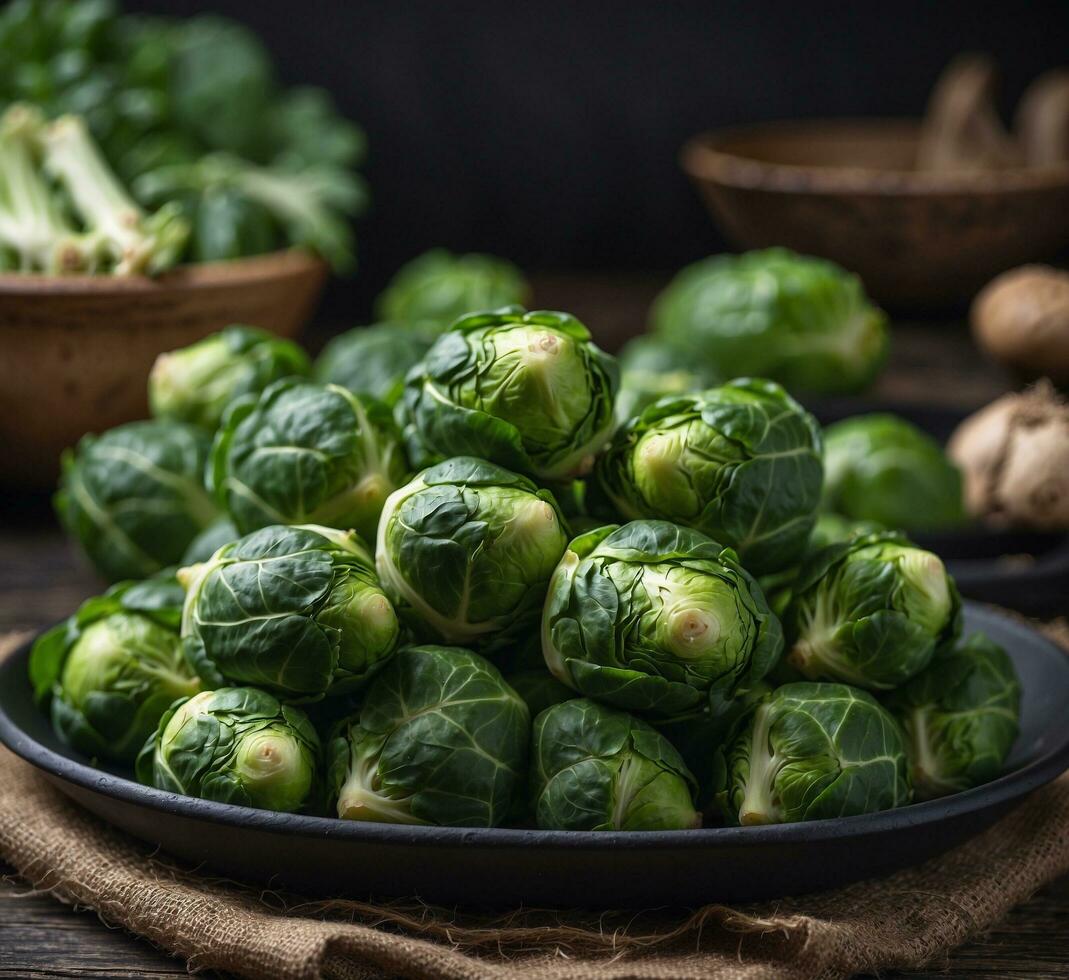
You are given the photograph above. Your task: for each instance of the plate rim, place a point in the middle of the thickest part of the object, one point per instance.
(1005, 789)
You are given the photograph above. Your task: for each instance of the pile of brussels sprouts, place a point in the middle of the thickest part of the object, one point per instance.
(436, 578)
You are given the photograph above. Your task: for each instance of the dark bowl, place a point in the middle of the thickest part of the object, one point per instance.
(320, 856)
(847, 190)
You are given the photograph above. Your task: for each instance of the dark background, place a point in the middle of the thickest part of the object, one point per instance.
(549, 132)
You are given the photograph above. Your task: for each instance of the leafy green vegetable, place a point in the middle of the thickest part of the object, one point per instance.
(297, 610)
(196, 383)
(234, 745)
(113, 668)
(960, 717)
(813, 751)
(62, 209)
(160, 94)
(870, 612)
(373, 361)
(440, 739)
(801, 321)
(882, 468)
(741, 463)
(439, 286)
(466, 550)
(832, 528)
(525, 390)
(133, 497)
(595, 768)
(305, 453)
(653, 617)
(651, 368)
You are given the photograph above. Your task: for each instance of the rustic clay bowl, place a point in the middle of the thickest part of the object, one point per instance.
(75, 352)
(846, 190)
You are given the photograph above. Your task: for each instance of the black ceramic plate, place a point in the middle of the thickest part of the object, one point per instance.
(486, 867)
(1022, 570)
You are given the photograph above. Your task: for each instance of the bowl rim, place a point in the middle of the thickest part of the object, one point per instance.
(248, 269)
(707, 157)
(1007, 788)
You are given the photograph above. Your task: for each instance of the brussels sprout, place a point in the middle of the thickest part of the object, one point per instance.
(651, 368)
(741, 463)
(881, 468)
(801, 321)
(870, 612)
(960, 717)
(526, 390)
(297, 610)
(373, 361)
(305, 453)
(113, 668)
(833, 528)
(439, 286)
(209, 541)
(466, 550)
(596, 768)
(813, 751)
(539, 690)
(134, 497)
(196, 383)
(653, 617)
(235, 745)
(441, 739)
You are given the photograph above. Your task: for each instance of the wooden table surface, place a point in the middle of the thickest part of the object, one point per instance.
(41, 580)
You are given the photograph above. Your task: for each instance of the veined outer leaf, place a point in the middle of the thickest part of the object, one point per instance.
(740, 463)
(810, 752)
(596, 768)
(526, 390)
(441, 738)
(655, 618)
(304, 453)
(297, 610)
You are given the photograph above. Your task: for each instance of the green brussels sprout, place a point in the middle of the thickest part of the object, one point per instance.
(801, 321)
(651, 369)
(466, 551)
(113, 668)
(196, 383)
(960, 717)
(596, 768)
(741, 463)
(525, 390)
(653, 617)
(882, 468)
(373, 361)
(305, 453)
(833, 528)
(235, 745)
(134, 497)
(539, 689)
(209, 541)
(439, 286)
(870, 612)
(440, 739)
(813, 751)
(296, 610)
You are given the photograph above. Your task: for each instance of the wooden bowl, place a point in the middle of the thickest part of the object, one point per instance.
(75, 352)
(846, 190)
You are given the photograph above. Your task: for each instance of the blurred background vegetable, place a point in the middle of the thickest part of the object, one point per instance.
(801, 321)
(883, 469)
(161, 95)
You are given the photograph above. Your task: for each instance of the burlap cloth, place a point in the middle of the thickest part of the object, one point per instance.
(909, 919)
